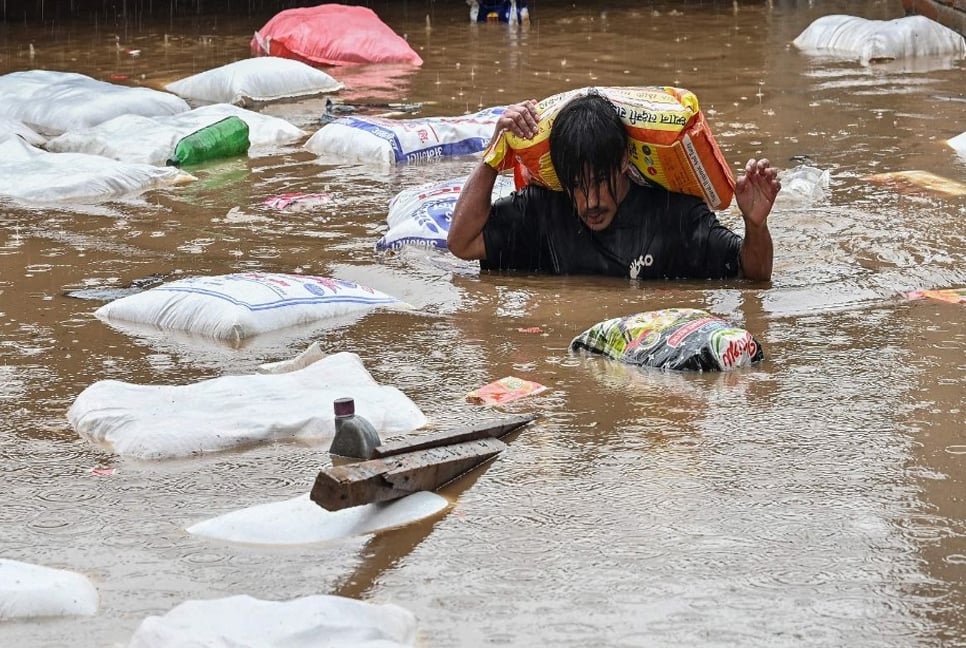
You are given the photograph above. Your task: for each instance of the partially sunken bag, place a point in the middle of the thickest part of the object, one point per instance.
(673, 338)
(669, 142)
(238, 306)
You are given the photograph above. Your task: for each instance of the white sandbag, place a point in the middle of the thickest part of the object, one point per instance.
(389, 141)
(880, 40)
(16, 127)
(235, 307)
(268, 78)
(28, 590)
(33, 175)
(152, 140)
(958, 144)
(319, 621)
(422, 215)
(301, 521)
(164, 421)
(55, 102)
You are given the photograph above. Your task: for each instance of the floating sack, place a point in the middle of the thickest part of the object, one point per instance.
(391, 141)
(421, 215)
(28, 590)
(255, 80)
(166, 421)
(958, 144)
(301, 521)
(673, 338)
(33, 175)
(918, 181)
(669, 142)
(223, 139)
(16, 127)
(871, 41)
(948, 295)
(152, 140)
(56, 102)
(243, 621)
(234, 307)
(332, 34)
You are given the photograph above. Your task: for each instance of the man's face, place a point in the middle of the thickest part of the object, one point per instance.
(595, 202)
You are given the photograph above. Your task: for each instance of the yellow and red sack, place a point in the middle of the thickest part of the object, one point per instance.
(669, 143)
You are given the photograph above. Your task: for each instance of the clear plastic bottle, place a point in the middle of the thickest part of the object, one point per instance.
(354, 435)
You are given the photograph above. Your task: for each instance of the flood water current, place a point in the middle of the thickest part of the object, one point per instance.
(814, 499)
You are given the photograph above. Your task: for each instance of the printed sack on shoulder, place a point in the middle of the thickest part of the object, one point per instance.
(673, 338)
(669, 142)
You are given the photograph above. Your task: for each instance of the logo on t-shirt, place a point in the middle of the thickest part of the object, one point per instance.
(643, 261)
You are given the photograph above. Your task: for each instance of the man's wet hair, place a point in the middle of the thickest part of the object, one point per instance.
(588, 142)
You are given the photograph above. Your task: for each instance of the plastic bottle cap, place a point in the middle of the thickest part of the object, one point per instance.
(344, 406)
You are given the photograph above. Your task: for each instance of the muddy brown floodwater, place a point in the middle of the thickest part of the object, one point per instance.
(816, 499)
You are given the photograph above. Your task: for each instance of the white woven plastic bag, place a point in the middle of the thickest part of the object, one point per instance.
(871, 41)
(28, 590)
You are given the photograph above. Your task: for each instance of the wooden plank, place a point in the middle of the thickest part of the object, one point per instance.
(493, 429)
(384, 479)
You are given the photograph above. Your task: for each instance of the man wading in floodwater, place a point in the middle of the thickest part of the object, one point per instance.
(621, 228)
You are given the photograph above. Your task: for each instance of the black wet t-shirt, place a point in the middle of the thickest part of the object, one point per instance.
(656, 234)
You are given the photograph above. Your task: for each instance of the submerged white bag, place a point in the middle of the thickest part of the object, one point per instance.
(152, 140)
(872, 41)
(245, 622)
(422, 215)
(390, 141)
(28, 590)
(234, 307)
(301, 521)
(56, 102)
(166, 421)
(268, 78)
(33, 175)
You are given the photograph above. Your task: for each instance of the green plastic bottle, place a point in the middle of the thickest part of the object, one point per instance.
(225, 138)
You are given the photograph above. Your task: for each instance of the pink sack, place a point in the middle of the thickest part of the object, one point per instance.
(332, 34)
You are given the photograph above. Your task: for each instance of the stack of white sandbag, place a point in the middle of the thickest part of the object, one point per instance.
(871, 41)
(56, 102)
(152, 140)
(255, 80)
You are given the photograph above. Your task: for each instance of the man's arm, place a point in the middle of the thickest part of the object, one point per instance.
(755, 193)
(465, 238)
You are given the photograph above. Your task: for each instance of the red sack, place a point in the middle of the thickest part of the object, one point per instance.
(332, 34)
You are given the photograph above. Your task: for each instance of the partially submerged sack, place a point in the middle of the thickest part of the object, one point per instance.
(55, 102)
(673, 338)
(422, 215)
(332, 34)
(234, 307)
(225, 138)
(872, 41)
(168, 421)
(255, 80)
(318, 620)
(30, 174)
(152, 140)
(28, 590)
(669, 142)
(391, 141)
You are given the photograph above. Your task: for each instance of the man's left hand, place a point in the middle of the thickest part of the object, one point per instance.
(756, 191)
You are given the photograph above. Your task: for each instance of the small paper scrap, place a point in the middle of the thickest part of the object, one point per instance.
(948, 295)
(297, 201)
(504, 390)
